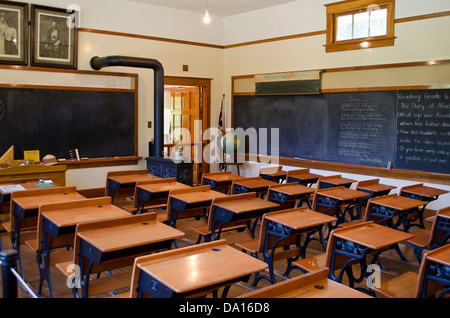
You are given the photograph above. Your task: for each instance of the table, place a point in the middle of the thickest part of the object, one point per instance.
(277, 176)
(438, 263)
(331, 200)
(290, 192)
(290, 224)
(184, 203)
(57, 173)
(334, 181)
(59, 220)
(7, 187)
(257, 184)
(117, 242)
(116, 180)
(373, 188)
(236, 208)
(220, 180)
(422, 193)
(311, 285)
(25, 209)
(192, 271)
(303, 176)
(354, 243)
(384, 209)
(155, 190)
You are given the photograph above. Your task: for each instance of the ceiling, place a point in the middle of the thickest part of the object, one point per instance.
(221, 8)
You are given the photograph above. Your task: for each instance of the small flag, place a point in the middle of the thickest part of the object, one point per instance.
(221, 133)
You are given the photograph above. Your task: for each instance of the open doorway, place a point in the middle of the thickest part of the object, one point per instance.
(186, 101)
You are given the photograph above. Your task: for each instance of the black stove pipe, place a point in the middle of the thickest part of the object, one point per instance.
(98, 63)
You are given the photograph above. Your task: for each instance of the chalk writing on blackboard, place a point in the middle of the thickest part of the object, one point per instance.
(423, 130)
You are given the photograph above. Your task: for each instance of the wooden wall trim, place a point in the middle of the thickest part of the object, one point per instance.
(281, 38)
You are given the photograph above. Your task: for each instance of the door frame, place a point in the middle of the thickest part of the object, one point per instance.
(205, 85)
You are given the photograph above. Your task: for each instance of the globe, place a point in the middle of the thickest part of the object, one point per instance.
(230, 143)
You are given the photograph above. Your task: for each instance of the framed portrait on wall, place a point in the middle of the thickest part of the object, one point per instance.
(13, 33)
(54, 37)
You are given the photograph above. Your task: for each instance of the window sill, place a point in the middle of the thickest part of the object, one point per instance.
(359, 44)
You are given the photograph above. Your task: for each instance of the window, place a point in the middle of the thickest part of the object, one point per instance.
(359, 24)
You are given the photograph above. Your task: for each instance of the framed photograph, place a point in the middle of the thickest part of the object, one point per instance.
(54, 37)
(13, 33)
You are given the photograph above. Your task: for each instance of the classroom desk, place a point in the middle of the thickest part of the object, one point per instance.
(7, 187)
(128, 179)
(332, 199)
(422, 193)
(302, 176)
(220, 180)
(235, 208)
(438, 264)
(284, 224)
(25, 209)
(385, 208)
(185, 203)
(373, 188)
(311, 285)
(334, 181)
(356, 242)
(156, 190)
(278, 176)
(56, 221)
(192, 271)
(290, 192)
(116, 239)
(258, 185)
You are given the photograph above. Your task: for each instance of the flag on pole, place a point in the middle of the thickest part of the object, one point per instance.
(221, 133)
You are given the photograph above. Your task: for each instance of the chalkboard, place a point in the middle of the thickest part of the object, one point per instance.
(367, 128)
(97, 123)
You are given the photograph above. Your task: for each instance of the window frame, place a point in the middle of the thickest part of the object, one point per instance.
(351, 7)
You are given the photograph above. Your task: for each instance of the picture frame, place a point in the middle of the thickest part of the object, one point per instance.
(14, 33)
(54, 37)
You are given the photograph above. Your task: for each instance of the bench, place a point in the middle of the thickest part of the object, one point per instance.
(418, 285)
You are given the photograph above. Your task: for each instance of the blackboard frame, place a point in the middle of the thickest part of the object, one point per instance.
(127, 159)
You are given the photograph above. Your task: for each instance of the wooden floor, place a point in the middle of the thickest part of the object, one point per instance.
(394, 266)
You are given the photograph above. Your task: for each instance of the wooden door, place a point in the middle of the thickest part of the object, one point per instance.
(185, 110)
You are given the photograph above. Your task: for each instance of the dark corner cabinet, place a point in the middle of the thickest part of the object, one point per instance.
(167, 168)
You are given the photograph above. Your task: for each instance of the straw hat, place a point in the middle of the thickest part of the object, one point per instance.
(49, 160)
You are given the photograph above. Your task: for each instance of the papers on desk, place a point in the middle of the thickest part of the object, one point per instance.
(11, 188)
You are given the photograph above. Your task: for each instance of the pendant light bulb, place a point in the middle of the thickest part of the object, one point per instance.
(206, 18)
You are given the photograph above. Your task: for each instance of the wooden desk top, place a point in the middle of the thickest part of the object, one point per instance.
(372, 235)
(374, 186)
(223, 177)
(397, 202)
(34, 201)
(109, 238)
(253, 183)
(302, 174)
(311, 285)
(242, 203)
(441, 255)
(299, 218)
(163, 186)
(420, 189)
(341, 193)
(198, 266)
(291, 189)
(73, 216)
(30, 185)
(279, 173)
(202, 195)
(133, 178)
(336, 180)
